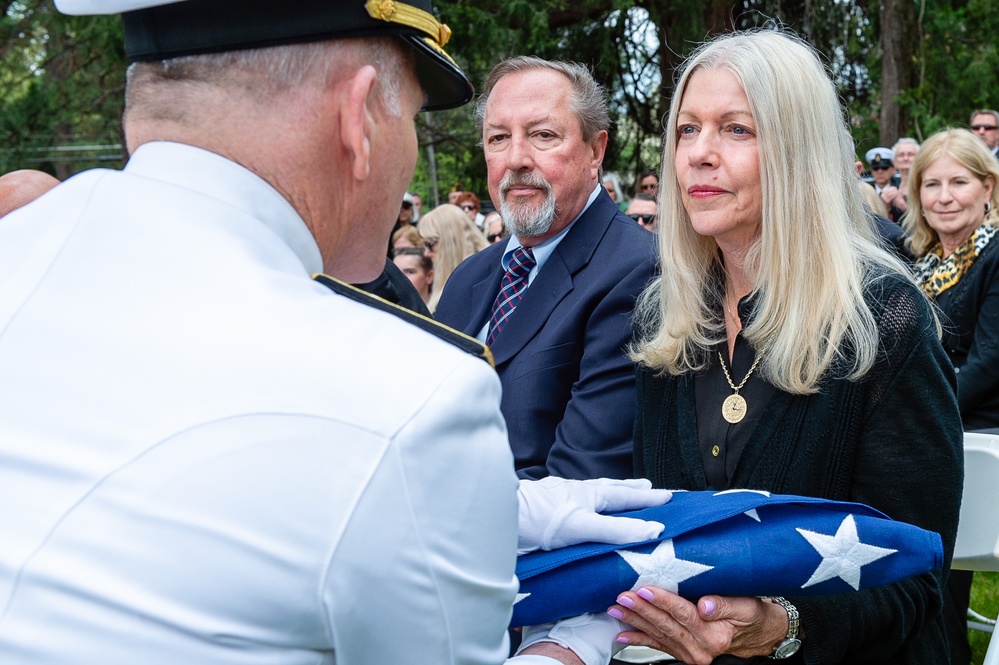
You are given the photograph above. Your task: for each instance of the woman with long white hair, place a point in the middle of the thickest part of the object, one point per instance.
(784, 350)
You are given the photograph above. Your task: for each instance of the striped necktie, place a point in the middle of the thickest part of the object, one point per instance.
(511, 290)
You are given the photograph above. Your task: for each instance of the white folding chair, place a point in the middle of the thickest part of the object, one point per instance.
(977, 546)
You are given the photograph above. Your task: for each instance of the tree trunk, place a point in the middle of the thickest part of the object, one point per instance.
(897, 51)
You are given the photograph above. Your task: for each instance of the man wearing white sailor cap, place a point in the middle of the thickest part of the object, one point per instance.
(202, 459)
(879, 161)
(884, 179)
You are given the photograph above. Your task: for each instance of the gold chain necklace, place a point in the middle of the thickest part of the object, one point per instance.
(734, 406)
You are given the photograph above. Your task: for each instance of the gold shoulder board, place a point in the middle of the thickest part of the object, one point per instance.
(467, 344)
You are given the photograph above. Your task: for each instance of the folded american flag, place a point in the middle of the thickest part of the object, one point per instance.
(734, 543)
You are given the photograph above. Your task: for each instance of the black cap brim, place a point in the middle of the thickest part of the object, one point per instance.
(445, 85)
(212, 26)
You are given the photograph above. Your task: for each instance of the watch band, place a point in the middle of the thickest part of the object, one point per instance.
(790, 644)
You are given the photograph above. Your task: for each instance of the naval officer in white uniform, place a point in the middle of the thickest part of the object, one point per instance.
(201, 459)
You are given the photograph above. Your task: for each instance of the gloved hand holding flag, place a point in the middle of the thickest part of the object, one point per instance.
(733, 543)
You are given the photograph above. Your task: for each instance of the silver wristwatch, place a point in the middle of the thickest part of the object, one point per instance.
(790, 645)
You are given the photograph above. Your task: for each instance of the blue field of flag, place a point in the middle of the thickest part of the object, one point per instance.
(734, 543)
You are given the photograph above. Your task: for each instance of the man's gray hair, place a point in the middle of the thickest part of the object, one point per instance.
(905, 140)
(994, 114)
(587, 101)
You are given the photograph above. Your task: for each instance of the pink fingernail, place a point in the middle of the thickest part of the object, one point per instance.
(709, 607)
(626, 602)
(616, 613)
(645, 593)
(623, 640)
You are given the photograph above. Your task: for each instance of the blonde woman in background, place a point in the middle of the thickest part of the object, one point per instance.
(952, 226)
(408, 237)
(450, 237)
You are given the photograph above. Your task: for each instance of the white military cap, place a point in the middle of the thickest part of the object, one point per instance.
(164, 29)
(878, 157)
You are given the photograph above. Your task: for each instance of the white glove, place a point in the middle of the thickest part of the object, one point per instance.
(555, 512)
(589, 636)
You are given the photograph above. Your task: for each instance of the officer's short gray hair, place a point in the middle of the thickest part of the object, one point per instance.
(264, 72)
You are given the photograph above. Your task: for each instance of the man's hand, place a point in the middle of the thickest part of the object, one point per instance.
(893, 196)
(555, 512)
(545, 653)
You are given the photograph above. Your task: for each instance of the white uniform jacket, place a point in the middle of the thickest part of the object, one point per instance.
(206, 457)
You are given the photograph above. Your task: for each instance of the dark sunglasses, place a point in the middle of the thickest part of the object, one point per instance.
(641, 219)
(652, 186)
(467, 206)
(880, 168)
(493, 237)
(976, 128)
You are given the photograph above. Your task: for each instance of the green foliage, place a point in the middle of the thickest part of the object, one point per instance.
(957, 62)
(633, 50)
(62, 79)
(61, 90)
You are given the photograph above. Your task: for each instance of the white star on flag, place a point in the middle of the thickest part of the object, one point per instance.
(843, 555)
(661, 568)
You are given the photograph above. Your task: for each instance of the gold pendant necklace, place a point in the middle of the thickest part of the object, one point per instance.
(734, 406)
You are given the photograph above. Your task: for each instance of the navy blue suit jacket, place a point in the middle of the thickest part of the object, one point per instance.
(568, 385)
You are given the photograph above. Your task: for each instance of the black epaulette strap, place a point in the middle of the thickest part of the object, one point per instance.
(467, 344)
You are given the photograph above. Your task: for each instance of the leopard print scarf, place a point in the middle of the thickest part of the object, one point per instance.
(936, 274)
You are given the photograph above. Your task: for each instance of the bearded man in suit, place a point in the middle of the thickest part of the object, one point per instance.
(555, 301)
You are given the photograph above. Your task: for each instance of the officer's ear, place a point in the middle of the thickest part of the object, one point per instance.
(356, 120)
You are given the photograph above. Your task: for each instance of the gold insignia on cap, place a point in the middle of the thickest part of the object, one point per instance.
(413, 17)
(877, 157)
(445, 34)
(386, 8)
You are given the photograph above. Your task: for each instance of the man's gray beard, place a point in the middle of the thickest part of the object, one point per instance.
(524, 221)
